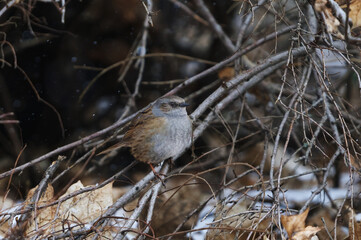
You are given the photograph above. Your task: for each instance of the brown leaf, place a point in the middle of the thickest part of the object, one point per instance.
(306, 234)
(325, 217)
(294, 223)
(332, 23)
(46, 196)
(354, 228)
(355, 13)
(5, 205)
(85, 207)
(80, 209)
(234, 223)
(226, 73)
(45, 215)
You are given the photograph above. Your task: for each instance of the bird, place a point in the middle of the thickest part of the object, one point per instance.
(162, 131)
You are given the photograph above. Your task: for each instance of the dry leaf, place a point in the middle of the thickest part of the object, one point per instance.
(232, 217)
(354, 228)
(87, 206)
(80, 209)
(355, 13)
(325, 216)
(46, 196)
(294, 223)
(5, 205)
(307, 234)
(332, 23)
(226, 73)
(45, 215)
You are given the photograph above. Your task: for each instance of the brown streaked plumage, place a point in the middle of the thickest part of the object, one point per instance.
(161, 131)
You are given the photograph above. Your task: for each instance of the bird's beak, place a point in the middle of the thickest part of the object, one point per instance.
(183, 104)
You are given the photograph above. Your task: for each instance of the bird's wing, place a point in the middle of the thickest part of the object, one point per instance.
(136, 126)
(141, 125)
(140, 137)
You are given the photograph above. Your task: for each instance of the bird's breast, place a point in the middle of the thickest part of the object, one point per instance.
(174, 138)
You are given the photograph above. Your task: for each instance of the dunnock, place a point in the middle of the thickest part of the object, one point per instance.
(161, 131)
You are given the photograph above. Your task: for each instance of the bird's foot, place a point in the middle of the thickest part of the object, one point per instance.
(158, 175)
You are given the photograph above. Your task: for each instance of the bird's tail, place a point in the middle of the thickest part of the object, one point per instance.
(112, 148)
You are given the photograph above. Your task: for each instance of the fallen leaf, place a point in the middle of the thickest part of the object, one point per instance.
(234, 222)
(44, 216)
(355, 13)
(294, 223)
(331, 22)
(85, 207)
(226, 73)
(325, 216)
(307, 234)
(5, 205)
(354, 228)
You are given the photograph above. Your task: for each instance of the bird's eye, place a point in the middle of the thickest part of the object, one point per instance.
(173, 104)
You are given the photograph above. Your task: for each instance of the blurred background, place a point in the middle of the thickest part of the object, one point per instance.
(70, 69)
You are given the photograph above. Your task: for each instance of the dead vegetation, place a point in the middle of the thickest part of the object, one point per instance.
(274, 88)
